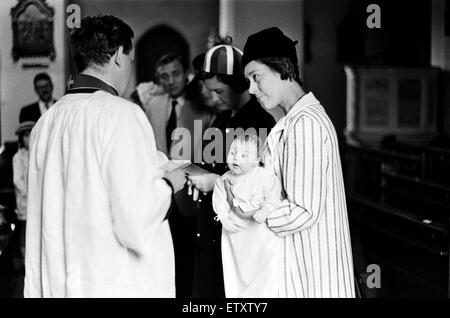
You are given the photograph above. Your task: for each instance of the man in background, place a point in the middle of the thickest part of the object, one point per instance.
(43, 87)
(168, 107)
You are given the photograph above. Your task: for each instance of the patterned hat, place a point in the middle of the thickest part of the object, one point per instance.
(223, 59)
(24, 126)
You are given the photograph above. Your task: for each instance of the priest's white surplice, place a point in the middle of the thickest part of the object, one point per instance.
(97, 203)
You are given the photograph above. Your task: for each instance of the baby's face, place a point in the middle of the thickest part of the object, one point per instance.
(242, 158)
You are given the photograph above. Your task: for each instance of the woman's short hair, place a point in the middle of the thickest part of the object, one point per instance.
(284, 66)
(98, 39)
(238, 83)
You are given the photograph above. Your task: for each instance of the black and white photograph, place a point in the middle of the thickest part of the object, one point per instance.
(225, 155)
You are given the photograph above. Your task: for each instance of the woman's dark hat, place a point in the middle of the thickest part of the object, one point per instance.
(269, 43)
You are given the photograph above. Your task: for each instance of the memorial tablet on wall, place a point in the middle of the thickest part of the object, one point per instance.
(32, 25)
(391, 101)
(376, 98)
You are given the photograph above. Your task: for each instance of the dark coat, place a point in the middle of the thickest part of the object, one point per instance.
(30, 112)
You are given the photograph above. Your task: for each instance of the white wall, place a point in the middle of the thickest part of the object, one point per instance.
(246, 17)
(241, 18)
(16, 83)
(324, 76)
(193, 19)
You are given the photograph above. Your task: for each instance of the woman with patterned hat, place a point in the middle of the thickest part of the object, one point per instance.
(234, 108)
(303, 151)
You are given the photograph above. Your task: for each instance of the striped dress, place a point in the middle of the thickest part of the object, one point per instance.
(312, 218)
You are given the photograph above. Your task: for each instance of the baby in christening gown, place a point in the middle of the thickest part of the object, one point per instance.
(251, 252)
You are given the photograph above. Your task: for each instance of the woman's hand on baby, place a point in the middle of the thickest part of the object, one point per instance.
(204, 183)
(261, 215)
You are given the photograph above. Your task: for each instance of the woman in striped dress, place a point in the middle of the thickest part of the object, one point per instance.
(303, 151)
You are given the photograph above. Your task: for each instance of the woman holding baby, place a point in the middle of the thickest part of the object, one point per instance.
(302, 151)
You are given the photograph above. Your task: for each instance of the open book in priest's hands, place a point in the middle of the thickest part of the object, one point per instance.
(186, 165)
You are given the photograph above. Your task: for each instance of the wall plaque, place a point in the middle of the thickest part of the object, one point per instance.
(32, 25)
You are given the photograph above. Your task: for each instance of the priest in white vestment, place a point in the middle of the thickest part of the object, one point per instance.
(98, 198)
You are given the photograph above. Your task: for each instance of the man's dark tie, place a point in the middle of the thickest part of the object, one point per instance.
(171, 124)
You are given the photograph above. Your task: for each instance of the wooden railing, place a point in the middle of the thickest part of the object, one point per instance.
(402, 216)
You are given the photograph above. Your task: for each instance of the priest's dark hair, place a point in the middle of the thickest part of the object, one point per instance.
(98, 39)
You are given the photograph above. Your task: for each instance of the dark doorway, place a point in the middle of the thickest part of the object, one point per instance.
(152, 45)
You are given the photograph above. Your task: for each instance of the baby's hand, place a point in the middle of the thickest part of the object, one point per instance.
(261, 215)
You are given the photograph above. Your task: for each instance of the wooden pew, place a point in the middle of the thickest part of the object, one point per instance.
(435, 160)
(399, 220)
(363, 168)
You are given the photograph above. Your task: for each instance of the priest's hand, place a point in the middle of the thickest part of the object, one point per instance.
(204, 183)
(177, 179)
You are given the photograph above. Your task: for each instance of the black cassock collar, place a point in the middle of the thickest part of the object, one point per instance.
(89, 84)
